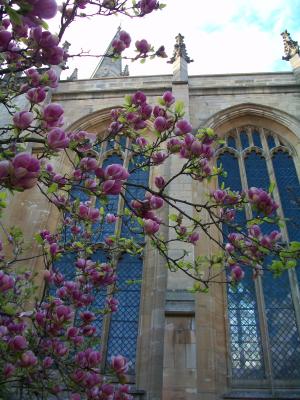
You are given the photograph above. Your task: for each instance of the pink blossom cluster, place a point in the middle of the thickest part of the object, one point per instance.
(262, 201)
(254, 247)
(21, 172)
(145, 209)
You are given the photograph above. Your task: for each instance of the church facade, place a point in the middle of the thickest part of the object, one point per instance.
(242, 345)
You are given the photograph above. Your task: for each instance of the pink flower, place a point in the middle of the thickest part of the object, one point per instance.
(23, 119)
(142, 46)
(116, 171)
(28, 359)
(112, 304)
(159, 157)
(262, 201)
(47, 362)
(111, 218)
(64, 313)
(168, 98)
(4, 169)
(119, 364)
(18, 343)
(237, 273)
(147, 6)
(26, 170)
(89, 213)
(5, 38)
(8, 370)
(57, 139)
(53, 115)
(36, 95)
(156, 202)
(159, 182)
(150, 226)
(88, 164)
(6, 281)
(194, 237)
(87, 317)
(160, 124)
(183, 127)
(139, 98)
(42, 8)
(112, 187)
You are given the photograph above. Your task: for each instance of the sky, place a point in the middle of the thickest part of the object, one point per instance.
(221, 36)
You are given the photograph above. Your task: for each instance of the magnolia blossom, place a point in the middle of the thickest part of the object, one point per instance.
(119, 364)
(168, 98)
(159, 182)
(57, 139)
(25, 171)
(194, 237)
(23, 119)
(53, 115)
(150, 226)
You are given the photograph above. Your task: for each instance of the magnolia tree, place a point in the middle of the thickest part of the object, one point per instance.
(48, 345)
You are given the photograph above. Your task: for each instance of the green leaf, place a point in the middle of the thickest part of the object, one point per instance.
(173, 217)
(272, 187)
(38, 238)
(14, 16)
(52, 188)
(179, 107)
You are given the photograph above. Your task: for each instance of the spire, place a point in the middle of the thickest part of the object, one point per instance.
(180, 60)
(291, 47)
(180, 50)
(107, 67)
(74, 75)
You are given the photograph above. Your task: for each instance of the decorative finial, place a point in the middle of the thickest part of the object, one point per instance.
(74, 75)
(180, 50)
(66, 45)
(125, 71)
(291, 47)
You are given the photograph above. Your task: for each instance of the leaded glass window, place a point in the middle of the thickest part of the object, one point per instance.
(117, 331)
(264, 314)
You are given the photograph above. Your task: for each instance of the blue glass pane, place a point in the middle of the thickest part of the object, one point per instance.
(122, 142)
(138, 176)
(244, 139)
(111, 207)
(256, 139)
(230, 164)
(282, 328)
(246, 351)
(124, 323)
(99, 295)
(256, 171)
(233, 180)
(289, 191)
(271, 141)
(66, 266)
(231, 142)
(110, 144)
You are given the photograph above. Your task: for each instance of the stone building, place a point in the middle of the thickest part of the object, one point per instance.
(243, 345)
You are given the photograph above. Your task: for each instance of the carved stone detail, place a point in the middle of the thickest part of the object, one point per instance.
(291, 47)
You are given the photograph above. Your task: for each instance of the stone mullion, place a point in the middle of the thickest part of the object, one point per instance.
(258, 285)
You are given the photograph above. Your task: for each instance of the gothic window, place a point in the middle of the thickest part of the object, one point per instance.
(264, 314)
(117, 331)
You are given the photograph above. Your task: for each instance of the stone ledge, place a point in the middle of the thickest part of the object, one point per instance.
(257, 395)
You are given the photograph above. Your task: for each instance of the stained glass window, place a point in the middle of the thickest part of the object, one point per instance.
(263, 315)
(117, 331)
